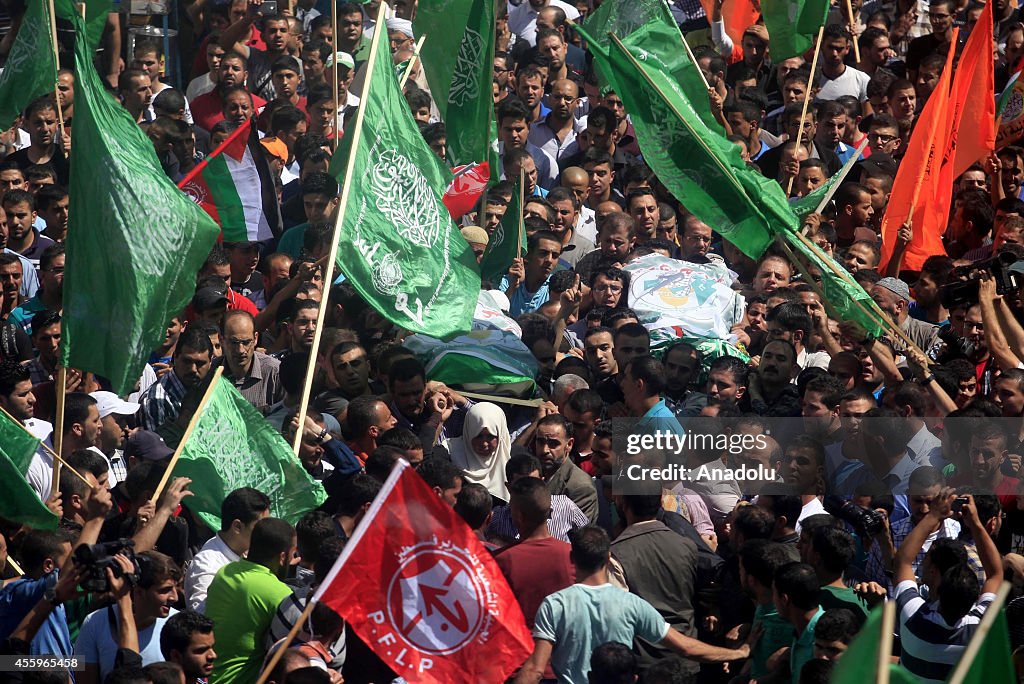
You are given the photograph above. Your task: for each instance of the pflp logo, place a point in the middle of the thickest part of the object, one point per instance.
(437, 600)
(196, 192)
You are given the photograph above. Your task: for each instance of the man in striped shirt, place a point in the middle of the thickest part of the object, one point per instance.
(934, 635)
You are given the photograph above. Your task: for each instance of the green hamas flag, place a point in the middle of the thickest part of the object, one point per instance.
(398, 245)
(30, 71)
(458, 58)
(20, 502)
(793, 25)
(693, 161)
(623, 18)
(233, 446)
(501, 247)
(135, 242)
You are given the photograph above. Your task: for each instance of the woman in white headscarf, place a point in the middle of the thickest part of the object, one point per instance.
(484, 448)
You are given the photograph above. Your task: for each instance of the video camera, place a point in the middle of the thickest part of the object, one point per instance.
(964, 286)
(865, 521)
(96, 558)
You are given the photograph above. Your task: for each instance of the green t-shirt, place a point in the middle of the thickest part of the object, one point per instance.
(777, 634)
(241, 601)
(843, 597)
(291, 240)
(802, 648)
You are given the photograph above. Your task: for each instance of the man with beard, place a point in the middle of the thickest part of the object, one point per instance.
(193, 357)
(244, 597)
(527, 282)
(771, 390)
(51, 292)
(299, 328)
(150, 603)
(208, 109)
(187, 639)
(567, 208)
(682, 364)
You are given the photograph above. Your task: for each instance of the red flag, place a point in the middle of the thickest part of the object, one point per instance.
(418, 587)
(972, 117)
(738, 16)
(917, 182)
(469, 183)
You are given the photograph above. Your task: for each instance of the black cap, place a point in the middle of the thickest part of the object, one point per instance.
(879, 162)
(207, 298)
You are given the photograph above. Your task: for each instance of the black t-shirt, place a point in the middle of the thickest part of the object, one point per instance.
(58, 161)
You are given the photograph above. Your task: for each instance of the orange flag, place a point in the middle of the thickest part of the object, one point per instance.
(737, 16)
(972, 113)
(916, 188)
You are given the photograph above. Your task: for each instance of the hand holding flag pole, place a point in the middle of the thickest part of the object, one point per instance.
(339, 219)
(412, 63)
(188, 433)
(807, 100)
(853, 34)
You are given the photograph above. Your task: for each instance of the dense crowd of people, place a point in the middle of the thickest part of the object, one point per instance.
(882, 470)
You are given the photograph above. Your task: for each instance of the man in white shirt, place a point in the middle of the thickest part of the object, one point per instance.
(17, 399)
(838, 79)
(522, 19)
(239, 513)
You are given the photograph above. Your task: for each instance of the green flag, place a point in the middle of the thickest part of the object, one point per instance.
(135, 242)
(398, 245)
(860, 662)
(793, 25)
(30, 71)
(233, 446)
(694, 162)
(20, 502)
(458, 58)
(501, 247)
(994, 661)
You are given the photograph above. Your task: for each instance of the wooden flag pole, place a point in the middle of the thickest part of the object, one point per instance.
(522, 205)
(807, 101)
(334, 77)
(14, 566)
(56, 64)
(707, 86)
(853, 35)
(885, 642)
(332, 256)
(61, 390)
(974, 645)
(412, 62)
(188, 433)
(299, 621)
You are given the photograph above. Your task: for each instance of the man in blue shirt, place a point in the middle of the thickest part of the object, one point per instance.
(528, 280)
(43, 553)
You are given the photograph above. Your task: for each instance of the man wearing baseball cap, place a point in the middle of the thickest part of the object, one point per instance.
(114, 413)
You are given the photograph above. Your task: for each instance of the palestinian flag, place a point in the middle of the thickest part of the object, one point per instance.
(236, 188)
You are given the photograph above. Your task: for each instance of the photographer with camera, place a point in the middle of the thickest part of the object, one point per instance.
(153, 582)
(935, 634)
(44, 557)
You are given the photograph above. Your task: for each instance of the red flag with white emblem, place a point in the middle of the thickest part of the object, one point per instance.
(469, 183)
(419, 588)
